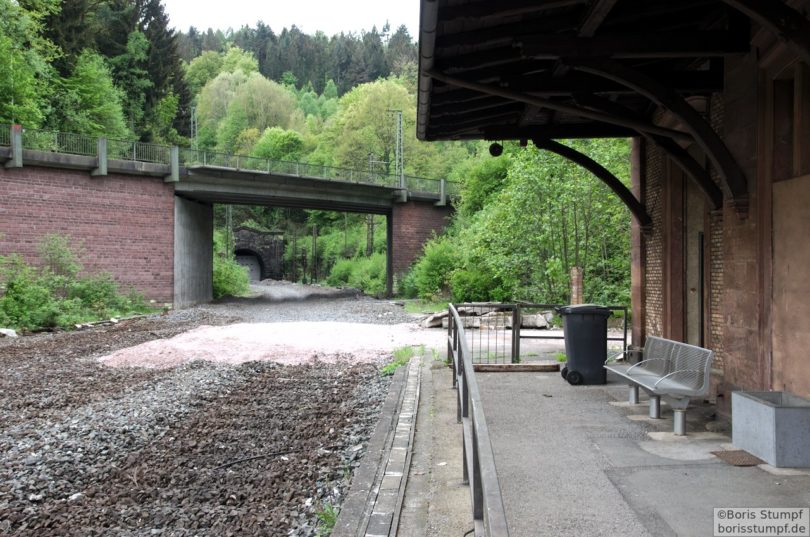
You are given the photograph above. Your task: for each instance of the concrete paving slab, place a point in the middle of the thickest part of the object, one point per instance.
(684, 497)
(571, 463)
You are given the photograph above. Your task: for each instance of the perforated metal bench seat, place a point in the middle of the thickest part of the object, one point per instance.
(669, 369)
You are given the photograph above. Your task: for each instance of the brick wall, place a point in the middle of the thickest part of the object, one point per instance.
(125, 223)
(655, 164)
(413, 225)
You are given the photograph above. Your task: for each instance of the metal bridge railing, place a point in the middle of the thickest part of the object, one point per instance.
(58, 142)
(79, 144)
(479, 461)
(138, 151)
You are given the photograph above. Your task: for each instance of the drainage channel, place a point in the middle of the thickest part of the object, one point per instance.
(375, 498)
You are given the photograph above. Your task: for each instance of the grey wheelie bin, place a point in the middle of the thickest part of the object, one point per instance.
(585, 331)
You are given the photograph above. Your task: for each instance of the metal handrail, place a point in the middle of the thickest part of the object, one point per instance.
(480, 472)
(80, 144)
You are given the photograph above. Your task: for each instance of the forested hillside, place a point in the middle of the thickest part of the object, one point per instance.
(118, 68)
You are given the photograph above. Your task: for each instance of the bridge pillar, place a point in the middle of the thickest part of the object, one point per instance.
(411, 225)
(193, 252)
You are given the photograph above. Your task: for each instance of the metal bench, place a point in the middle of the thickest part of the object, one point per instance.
(669, 369)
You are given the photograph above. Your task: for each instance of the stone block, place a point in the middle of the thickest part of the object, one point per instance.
(774, 426)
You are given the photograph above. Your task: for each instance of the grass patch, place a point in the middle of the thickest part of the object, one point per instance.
(561, 357)
(327, 517)
(425, 306)
(402, 356)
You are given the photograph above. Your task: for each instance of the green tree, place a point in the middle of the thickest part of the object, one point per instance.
(26, 75)
(91, 104)
(130, 74)
(279, 144)
(202, 69)
(236, 59)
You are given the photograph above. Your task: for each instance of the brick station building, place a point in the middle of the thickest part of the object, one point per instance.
(716, 97)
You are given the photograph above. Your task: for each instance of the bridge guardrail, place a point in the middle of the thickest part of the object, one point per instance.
(58, 142)
(84, 145)
(138, 151)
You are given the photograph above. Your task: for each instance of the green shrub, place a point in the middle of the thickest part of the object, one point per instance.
(406, 286)
(230, 278)
(364, 273)
(476, 286)
(432, 272)
(33, 298)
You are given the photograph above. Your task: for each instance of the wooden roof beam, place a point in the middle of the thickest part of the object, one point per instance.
(788, 24)
(558, 106)
(703, 133)
(574, 82)
(597, 13)
(701, 44)
(697, 173)
(484, 9)
(561, 131)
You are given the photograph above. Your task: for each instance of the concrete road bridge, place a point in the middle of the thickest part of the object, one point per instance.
(144, 212)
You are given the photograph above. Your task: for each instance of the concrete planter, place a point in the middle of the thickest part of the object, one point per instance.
(774, 426)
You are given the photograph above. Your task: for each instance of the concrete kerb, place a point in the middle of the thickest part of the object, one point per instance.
(375, 496)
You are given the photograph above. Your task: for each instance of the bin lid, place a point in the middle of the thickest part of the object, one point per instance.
(584, 309)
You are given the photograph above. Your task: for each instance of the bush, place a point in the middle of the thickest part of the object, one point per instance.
(229, 278)
(33, 298)
(364, 273)
(476, 286)
(431, 274)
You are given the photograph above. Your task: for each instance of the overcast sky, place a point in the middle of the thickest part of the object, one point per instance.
(329, 16)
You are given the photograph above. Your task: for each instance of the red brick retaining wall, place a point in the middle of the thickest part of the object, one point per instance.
(124, 223)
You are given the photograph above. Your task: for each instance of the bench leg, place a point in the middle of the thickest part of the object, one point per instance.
(633, 394)
(679, 421)
(655, 407)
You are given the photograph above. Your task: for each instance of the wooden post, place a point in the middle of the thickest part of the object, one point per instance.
(576, 285)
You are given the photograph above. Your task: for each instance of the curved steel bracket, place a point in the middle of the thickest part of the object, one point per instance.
(788, 24)
(697, 173)
(627, 197)
(704, 134)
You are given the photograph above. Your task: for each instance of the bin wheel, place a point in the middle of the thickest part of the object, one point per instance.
(574, 378)
(564, 372)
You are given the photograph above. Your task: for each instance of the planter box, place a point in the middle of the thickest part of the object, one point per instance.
(774, 426)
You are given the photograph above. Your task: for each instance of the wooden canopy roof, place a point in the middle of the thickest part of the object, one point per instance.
(547, 69)
(514, 69)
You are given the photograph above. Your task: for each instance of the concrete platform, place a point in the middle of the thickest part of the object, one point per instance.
(572, 463)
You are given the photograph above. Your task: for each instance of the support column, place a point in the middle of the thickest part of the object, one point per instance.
(193, 252)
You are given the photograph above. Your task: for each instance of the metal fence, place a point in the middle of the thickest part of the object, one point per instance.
(79, 144)
(59, 142)
(479, 472)
(489, 332)
(494, 330)
(138, 151)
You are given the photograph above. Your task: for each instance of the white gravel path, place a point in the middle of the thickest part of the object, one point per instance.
(288, 343)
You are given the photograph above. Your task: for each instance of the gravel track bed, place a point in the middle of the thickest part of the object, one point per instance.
(201, 449)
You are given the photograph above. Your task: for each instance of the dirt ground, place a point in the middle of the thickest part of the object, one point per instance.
(204, 448)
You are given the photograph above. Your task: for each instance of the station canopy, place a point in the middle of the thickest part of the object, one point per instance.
(549, 69)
